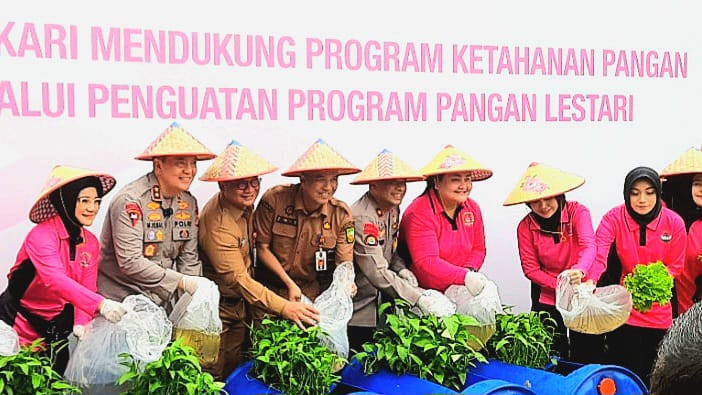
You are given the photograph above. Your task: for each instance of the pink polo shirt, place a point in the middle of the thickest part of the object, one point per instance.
(685, 283)
(58, 280)
(543, 260)
(665, 242)
(442, 250)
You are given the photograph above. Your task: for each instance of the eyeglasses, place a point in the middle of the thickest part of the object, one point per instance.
(85, 202)
(244, 184)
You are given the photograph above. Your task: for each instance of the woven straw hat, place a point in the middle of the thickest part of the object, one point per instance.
(542, 182)
(452, 160)
(387, 166)
(60, 176)
(321, 156)
(688, 163)
(237, 162)
(176, 141)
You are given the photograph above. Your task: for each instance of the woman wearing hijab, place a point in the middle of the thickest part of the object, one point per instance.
(442, 229)
(640, 231)
(555, 236)
(52, 287)
(682, 193)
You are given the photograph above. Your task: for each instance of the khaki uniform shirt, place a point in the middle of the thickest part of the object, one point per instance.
(376, 242)
(293, 235)
(144, 251)
(225, 242)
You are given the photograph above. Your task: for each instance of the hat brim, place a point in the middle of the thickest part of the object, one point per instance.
(239, 177)
(43, 209)
(341, 171)
(377, 179)
(202, 156)
(546, 196)
(476, 174)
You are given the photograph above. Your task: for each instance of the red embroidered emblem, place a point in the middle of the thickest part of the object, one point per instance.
(133, 212)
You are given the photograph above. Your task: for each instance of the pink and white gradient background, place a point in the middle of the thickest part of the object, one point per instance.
(666, 121)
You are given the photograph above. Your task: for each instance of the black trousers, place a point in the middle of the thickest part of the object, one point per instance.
(357, 336)
(635, 348)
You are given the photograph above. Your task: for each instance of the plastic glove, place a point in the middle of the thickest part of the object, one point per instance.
(112, 311)
(192, 283)
(78, 331)
(475, 282)
(408, 276)
(575, 276)
(435, 303)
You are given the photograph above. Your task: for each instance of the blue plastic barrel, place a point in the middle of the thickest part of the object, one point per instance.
(496, 387)
(388, 383)
(592, 379)
(240, 383)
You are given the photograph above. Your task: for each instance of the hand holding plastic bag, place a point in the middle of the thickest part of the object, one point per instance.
(335, 307)
(9, 341)
(433, 302)
(591, 310)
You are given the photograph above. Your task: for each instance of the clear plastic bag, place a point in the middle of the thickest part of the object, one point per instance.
(196, 319)
(591, 310)
(143, 333)
(437, 304)
(335, 307)
(9, 341)
(484, 307)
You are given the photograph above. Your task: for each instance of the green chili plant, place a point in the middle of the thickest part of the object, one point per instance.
(432, 348)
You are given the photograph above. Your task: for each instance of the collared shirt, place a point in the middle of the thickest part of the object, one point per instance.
(665, 242)
(143, 250)
(376, 270)
(293, 235)
(543, 259)
(225, 242)
(58, 280)
(443, 249)
(685, 283)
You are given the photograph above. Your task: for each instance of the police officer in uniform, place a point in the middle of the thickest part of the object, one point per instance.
(378, 268)
(302, 231)
(149, 238)
(225, 243)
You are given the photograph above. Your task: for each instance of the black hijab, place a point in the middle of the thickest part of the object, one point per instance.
(677, 195)
(551, 224)
(65, 199)
(650, 175)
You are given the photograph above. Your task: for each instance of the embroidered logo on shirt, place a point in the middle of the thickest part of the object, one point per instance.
(133, 212)
(85, 259)
(370, 240)
(149, 250)
(350, 234)
(153, 205)
(666, 237)
(155, 217)
(289, 210)
(285, 220)
(468, 218)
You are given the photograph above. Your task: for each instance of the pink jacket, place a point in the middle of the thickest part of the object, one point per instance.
(665, 241)
(58, 280)
(685, 283)
(442, 252)
(542, 259)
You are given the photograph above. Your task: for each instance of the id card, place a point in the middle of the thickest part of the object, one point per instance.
(320, 259)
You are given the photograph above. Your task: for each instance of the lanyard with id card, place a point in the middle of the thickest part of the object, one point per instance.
(320, 256)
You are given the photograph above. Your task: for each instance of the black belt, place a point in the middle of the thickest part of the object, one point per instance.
(229, 299)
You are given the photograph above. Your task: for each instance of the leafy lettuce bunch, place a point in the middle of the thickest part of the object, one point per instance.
(649, 283)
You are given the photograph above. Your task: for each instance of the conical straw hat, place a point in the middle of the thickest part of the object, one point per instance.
(60, 176)
(237, 162)
(320, 156)
(176, 141)
(452, 160)
(542, 182)
(688, 163)
(387, 166)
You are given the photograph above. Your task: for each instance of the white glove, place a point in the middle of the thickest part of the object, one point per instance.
(407, 275)
(435, 303)
(475, 282)
(78, 331)
(112, 311)
(190, 284)
(575, 276)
